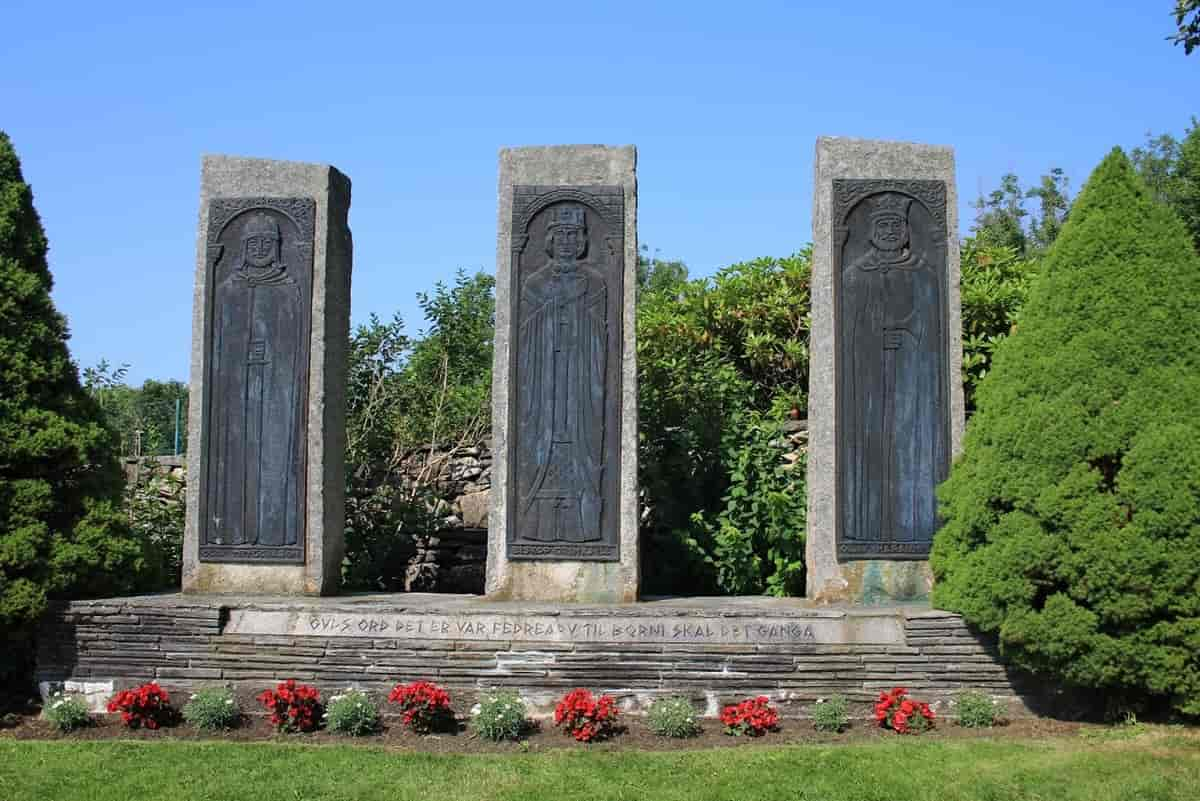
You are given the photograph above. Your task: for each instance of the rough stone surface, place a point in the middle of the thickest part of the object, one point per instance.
(232, 177)
(871, 581)
(94, 693)
(636, 653)
(602, 582)
(475, 509)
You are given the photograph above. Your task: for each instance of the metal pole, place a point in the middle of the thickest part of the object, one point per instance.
(178, 407)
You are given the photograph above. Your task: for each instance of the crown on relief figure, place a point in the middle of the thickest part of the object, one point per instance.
(889, 204)
(566, 215)
(261, 225)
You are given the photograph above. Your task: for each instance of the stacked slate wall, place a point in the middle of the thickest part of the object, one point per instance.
(178, 642)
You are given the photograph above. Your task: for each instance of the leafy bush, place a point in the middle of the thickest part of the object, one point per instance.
(352, 713)
(720, 361)
(976, 710)
(61, 530)
(67, 712)
(156, 507)
(1072, 519)
(758, 532)
(501, 716)
(585, 717)
(293, 707)
(831, 714)
(212, 709)
(901, 714)
(673, 717)
(753, 717)
(425, 705)
(148, 705)
(994, 285)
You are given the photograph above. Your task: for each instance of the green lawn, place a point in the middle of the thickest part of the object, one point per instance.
(1153, 767)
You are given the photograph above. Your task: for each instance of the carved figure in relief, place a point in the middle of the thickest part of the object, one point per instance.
(561, 366)
(258, 386)
(892, 379)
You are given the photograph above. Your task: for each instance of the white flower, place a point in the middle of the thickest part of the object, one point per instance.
(228, 702)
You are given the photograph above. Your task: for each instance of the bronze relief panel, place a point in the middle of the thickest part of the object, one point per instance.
(893, 410)
(565, 372)
(260, 275)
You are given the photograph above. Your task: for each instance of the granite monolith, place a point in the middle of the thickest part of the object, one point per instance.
(267, 419)
(563, 519)
(885, 392)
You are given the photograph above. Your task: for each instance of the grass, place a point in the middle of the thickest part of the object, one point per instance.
(1160, 765)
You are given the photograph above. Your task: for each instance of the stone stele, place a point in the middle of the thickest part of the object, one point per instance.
(563, 519)
(270, 333)
(885, 392)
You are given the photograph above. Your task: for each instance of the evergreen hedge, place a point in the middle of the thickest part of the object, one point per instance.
(61, 531)
(1072, 520)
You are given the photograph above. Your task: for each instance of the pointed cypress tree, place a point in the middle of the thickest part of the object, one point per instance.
(60, 528)
(1072, 519)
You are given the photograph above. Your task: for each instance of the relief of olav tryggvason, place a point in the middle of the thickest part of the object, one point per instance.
(893, 418)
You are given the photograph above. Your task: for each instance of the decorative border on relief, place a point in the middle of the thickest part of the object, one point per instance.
(221, 211)
(847, 194)
(528, 200)
(258, 555)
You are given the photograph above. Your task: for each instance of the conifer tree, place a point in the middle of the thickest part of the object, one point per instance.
(1072, 519)
(60, 528)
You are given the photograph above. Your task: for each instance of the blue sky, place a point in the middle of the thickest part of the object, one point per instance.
(110, 106)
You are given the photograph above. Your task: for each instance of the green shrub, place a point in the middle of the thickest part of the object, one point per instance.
(61, 529)
(1072, 519)
(721, 361)
(500, 716)
(976, 710)
(994, 285)
(831, 714)
(673, 717)
(352, 713)
(212, 709)
(67, 712)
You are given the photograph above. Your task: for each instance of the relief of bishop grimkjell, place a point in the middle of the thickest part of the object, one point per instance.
(561, 367)
(258, 384)
(892, 376)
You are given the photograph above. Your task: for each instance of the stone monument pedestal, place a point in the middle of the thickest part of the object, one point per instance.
(266, 423)
(563, 520)
(714, 651)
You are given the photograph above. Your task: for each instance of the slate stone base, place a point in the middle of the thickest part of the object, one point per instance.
(713, 650)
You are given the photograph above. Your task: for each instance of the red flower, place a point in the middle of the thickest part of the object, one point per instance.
(754, 716)
(896, 711)
(585, 717)
(293, 707)
(147, 705)
(426, 706)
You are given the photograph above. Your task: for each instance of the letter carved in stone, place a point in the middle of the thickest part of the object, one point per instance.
(565, 373)
(893, 410)
(260, 274)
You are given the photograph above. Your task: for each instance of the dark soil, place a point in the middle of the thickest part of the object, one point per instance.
(634, 735)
